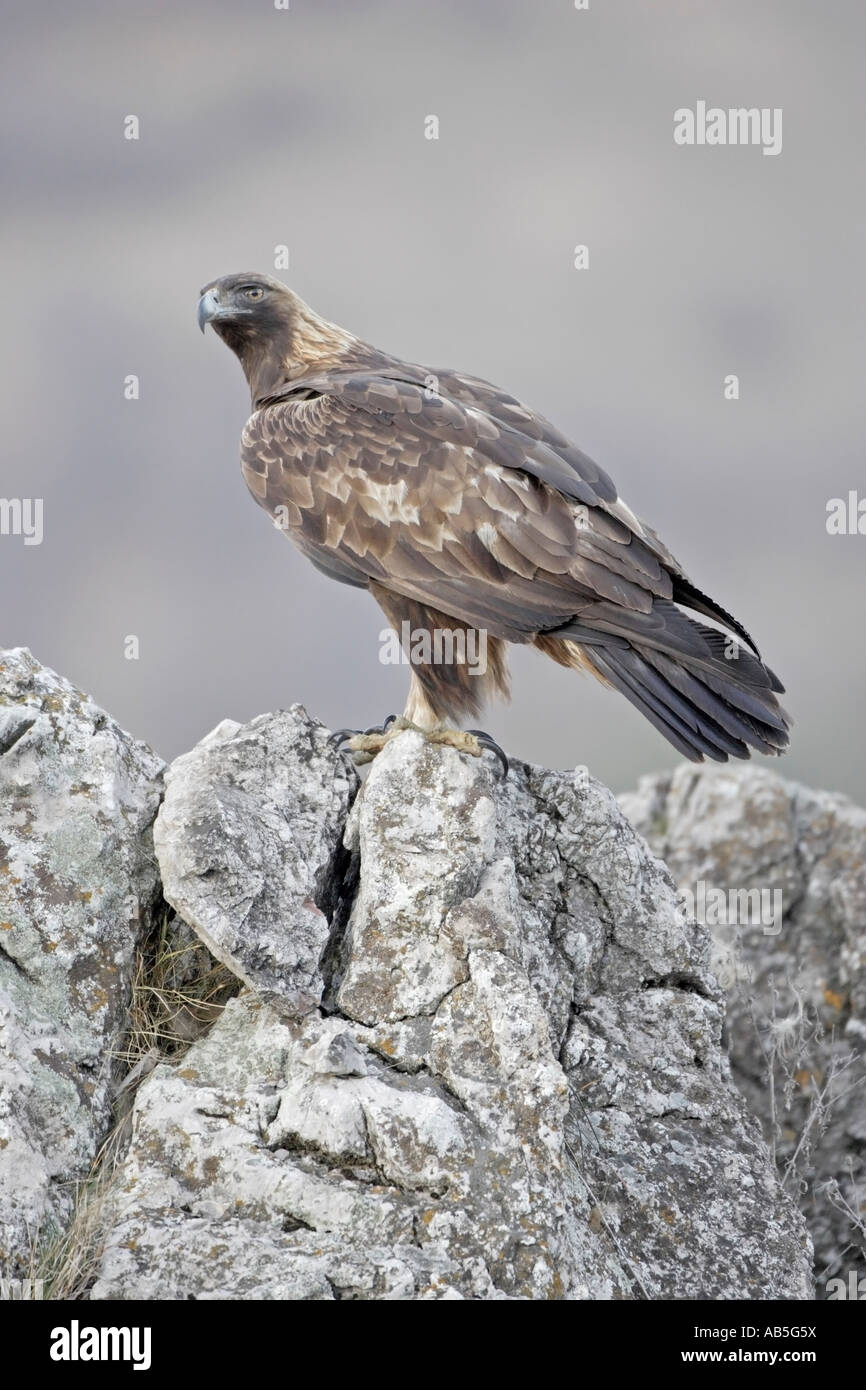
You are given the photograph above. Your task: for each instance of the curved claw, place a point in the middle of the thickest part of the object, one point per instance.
(341, 735)
(383, 727)
(487, 742)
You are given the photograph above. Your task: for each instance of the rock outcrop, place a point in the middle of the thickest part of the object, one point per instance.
(510, 1085)
(477, 1053)
(78, 880)
(778, 872)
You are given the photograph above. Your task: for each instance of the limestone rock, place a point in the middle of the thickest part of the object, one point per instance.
(78, 880)
(510, 1083)
(246, 836)
(778, 873)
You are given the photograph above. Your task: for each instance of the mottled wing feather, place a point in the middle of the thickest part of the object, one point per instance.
(440, 490)
(507, 410)
(401, 389)
(494, 522)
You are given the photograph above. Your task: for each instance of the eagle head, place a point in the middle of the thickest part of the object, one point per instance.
(243, 308)
(275, 335)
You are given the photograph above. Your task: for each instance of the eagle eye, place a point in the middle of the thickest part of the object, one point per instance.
(254, 292)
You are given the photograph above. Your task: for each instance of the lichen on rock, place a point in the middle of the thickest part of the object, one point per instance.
(78, 883)
(778, 872)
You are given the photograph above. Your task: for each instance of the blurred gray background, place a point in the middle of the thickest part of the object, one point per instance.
(261, 127)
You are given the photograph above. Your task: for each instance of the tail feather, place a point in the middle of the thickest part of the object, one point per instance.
(691, 597)
(690, 735)
(717, 695)
(676, 688)
(709, 698)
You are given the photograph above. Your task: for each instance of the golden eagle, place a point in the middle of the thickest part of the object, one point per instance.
(463, 510)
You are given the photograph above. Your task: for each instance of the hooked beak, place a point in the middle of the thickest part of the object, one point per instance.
(208, 308)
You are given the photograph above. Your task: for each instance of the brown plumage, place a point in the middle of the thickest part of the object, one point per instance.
(456, 505)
